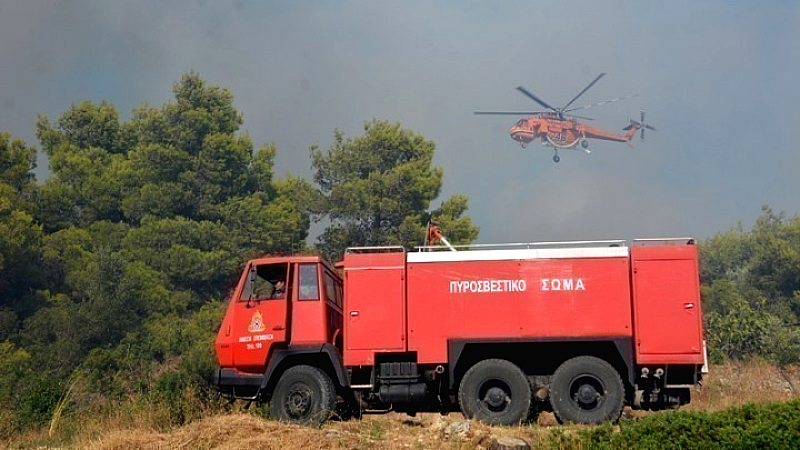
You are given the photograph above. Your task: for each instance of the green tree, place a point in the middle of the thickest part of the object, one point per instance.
(734, 329)
(774, 267)
(15, 366)
(145, 222)
(20, 235)
(81, 145)
(724, 256)
(17, 161)
(377, 190)
(20, 239)
(751, 290)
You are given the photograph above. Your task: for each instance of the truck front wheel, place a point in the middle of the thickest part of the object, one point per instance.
(495, 392)
(586, 389)
(304, 394)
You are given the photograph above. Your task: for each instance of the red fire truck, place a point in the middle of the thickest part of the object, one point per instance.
(501, 332)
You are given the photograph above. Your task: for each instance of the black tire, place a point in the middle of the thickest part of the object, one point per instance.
(586, 389)
(495, 392)
(304, 394)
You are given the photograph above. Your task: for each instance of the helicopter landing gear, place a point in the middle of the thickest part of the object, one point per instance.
(585, 144)
(556, 157)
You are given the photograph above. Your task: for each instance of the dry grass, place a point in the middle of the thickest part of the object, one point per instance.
(390, 431)
(737, 383)
(133, 427)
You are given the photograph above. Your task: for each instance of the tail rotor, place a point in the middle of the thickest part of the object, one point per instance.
(641, 125)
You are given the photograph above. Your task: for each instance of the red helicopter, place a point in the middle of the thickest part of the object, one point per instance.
(560, 130)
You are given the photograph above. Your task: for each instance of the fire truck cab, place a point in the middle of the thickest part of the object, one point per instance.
(499, 332)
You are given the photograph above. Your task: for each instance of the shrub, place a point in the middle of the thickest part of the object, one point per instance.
(749, 426)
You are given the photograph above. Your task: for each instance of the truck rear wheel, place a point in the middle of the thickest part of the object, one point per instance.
(495, 392)
(304, 394)
(586, 389)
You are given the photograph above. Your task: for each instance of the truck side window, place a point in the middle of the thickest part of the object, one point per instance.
(332, 290)
(265, 282)
(309, 282)
(262, 289)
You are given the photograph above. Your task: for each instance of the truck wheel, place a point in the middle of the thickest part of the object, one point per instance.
(495, 392)
(304, 394)
(586, 389)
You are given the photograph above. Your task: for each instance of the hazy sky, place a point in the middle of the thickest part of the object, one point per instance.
(718, 79)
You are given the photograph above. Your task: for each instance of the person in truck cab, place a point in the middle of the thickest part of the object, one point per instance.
(278, 290)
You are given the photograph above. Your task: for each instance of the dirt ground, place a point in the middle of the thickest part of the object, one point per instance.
(727, 385)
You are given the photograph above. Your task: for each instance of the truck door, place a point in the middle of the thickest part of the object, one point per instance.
(261, 315)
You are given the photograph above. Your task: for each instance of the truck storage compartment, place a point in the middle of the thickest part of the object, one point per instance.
(375, 310)
(667, 305)
(518, 295)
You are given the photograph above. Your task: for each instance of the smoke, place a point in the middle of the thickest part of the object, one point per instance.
(717, 79)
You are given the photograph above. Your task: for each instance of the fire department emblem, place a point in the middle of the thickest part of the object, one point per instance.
(256, 323)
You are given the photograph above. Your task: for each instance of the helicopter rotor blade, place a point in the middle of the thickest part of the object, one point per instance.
(508, 113)
(579, 117)
(584, 90)
(594, 105)
(535, 98)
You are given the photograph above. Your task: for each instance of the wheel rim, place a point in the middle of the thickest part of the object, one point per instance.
(299, 400)
(494, 397)
(587, 392)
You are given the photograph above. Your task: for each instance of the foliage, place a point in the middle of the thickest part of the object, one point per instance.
(377, 190)
(734, 329)
(113, 270)
(20, 235)
(17, 162)
(749, 426)
(15, 366)
(114, 267)
(751, 290)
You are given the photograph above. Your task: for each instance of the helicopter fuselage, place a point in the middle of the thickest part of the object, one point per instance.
(562, 133)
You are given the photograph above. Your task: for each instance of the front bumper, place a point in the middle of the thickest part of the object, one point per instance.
(235, 383)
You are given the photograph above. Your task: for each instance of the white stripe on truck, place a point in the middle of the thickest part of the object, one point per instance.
(519, 254)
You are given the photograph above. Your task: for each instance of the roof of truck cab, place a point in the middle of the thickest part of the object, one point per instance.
(289, 259)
